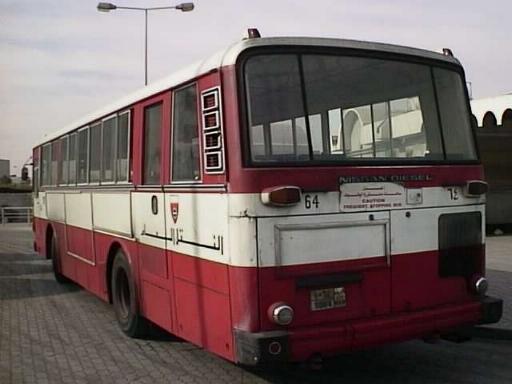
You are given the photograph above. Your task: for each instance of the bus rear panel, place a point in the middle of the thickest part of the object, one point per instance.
(359, 177)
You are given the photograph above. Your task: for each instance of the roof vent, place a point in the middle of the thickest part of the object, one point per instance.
(252, 33)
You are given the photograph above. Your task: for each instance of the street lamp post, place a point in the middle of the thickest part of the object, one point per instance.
(107, 7)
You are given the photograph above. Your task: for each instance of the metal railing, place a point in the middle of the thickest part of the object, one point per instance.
(15, 215)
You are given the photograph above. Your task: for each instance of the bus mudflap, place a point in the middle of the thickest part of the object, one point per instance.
(492, 310)
(254, 348)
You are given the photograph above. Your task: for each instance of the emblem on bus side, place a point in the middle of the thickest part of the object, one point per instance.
(175, 208)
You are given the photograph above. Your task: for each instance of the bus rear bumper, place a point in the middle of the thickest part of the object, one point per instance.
(492, 310)
(300, 344)
(254, 348)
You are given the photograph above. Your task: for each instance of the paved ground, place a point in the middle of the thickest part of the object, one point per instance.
(60, 334)
(499, 252)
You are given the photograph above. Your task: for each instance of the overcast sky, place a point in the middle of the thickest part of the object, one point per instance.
(60, 59)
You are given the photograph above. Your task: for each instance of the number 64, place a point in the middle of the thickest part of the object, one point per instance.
(311, 201)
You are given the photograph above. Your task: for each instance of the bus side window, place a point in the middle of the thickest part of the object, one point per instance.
(72, 158)
(63, 161)
(108, 150)
(35, 172)
(152, 145)
(123, 144)
(95, 153)
(82, 152)
(185, 141)
(335, 131)
(56, 155)
(45, 164)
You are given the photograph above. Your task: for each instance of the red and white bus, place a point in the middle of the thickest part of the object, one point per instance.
(283, 199)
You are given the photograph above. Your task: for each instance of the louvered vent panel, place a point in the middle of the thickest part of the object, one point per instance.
(211, 121)
(214, 161)
(210, 101)
(212, 140)
(212, 131)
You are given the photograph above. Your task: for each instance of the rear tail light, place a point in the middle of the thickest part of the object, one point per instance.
(480, 285)
(475, 188)
(281, 313)
(284, 196)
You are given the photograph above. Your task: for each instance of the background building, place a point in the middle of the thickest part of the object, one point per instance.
(5, 168)
(493, 112)
(493, 120)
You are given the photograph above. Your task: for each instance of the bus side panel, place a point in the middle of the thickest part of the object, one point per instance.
(67, 264)
(154, 286)
(202, 302)
(196, 241)
(59, 230)
(79, 233)
(243, 282)
(80, 248)
(39, 235)
(87, 276)
(156, 305)
(152, 260)
(204, 273)
(56, 212)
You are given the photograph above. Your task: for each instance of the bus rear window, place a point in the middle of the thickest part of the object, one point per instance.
(332, 108)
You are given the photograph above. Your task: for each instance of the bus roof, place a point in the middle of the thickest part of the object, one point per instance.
(228, 57)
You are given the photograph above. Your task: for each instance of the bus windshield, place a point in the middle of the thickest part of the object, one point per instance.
(305, 108)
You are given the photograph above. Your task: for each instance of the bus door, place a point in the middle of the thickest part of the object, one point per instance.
(328, 267)
(149, 221)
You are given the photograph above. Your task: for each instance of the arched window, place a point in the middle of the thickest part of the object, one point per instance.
(489, 120)
(506, 119)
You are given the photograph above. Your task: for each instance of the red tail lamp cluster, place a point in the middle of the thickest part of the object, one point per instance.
(280, 313)
(282, 196)
(479, 285)
(475, 188)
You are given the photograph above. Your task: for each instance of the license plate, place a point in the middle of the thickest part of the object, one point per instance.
(328, 298)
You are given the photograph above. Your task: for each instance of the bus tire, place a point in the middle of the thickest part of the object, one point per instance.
(55, 256)
(124, 298)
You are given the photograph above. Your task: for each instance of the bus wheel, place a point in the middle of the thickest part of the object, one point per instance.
(124, 298)
(54, 254)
